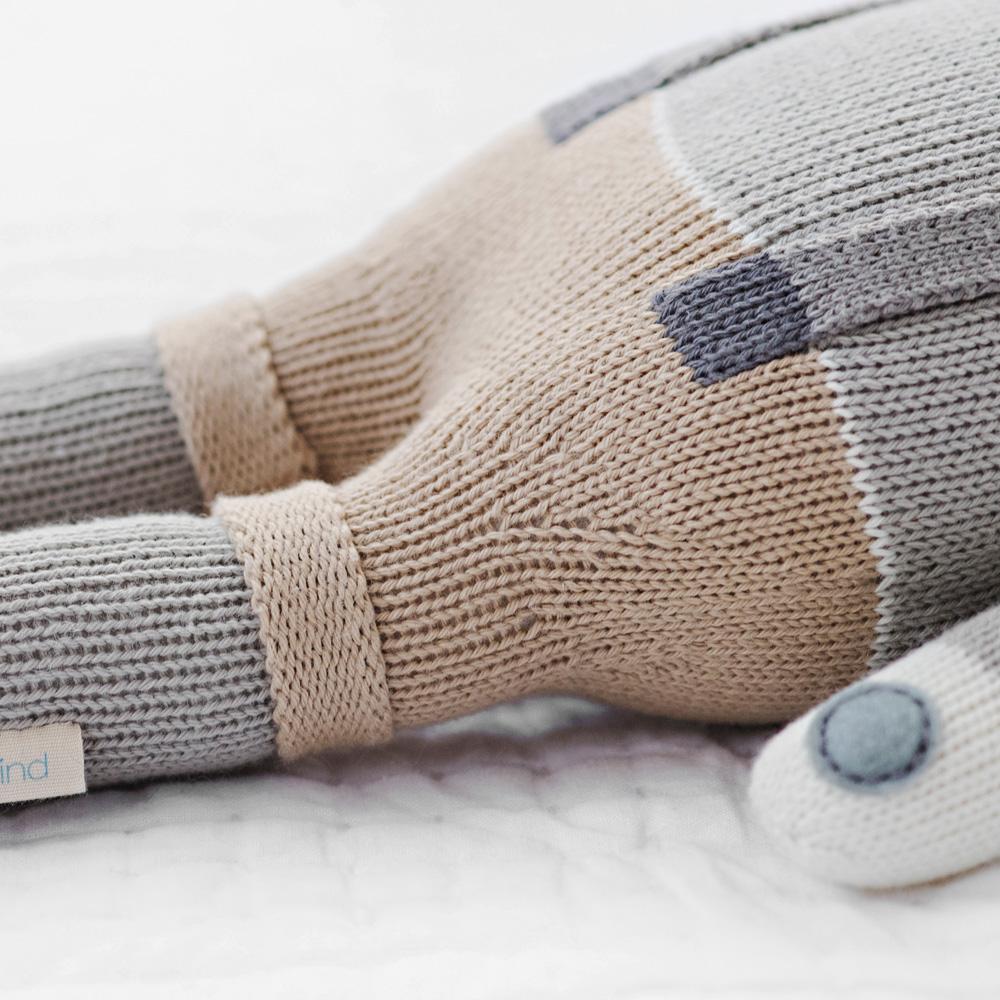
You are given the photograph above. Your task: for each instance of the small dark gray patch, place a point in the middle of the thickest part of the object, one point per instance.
(566, 118)
(735, 317)
(872, 736)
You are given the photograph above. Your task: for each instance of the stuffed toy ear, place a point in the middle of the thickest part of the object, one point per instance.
(896, 779)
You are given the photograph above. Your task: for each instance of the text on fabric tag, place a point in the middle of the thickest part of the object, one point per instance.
(41, 763)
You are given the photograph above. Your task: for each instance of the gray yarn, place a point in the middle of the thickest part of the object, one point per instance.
(743, 314)
(735, 317)
(871, 176)
(139, 629)
(91, 433)
(565, 118)
(920, 402)
(898, 115)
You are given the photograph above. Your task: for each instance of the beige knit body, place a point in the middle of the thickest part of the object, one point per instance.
(528, 490)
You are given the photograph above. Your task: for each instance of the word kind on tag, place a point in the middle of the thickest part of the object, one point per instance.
(41, 763)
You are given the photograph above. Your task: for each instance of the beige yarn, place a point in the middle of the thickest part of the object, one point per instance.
(321, 643)
(540, 496)
(234, 419)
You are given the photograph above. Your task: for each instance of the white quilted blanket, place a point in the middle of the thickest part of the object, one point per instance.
(155, 157)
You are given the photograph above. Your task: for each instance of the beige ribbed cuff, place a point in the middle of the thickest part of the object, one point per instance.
(234, 420)
(317, 623)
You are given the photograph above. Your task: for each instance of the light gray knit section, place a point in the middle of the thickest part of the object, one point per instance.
(919, 398)
(863, 155)
(745, 313)
(891, 110)
(139, 629)
(565, 118)
(880, 271)
(91, 433)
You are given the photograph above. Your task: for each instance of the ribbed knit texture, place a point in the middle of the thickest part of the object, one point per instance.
(593, 397)
(223, 387)
(322, 642)
(140, 630)
(936, 815)
(680, 397)
(692, 412)
(88, 433)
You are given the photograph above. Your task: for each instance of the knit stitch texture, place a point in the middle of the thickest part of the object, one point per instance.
(90, 433)
(682, 396)
(140, 630)
(942, 817)
(593, 409)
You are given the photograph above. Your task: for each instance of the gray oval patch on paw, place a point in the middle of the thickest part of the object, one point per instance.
(873, 736)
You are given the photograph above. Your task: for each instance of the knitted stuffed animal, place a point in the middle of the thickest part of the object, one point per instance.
(685, 397)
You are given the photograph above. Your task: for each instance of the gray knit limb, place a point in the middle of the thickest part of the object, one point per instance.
(90, 433)
(139, 629)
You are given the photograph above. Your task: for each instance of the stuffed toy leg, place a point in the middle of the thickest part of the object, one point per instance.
(896, 779)
(685, 397)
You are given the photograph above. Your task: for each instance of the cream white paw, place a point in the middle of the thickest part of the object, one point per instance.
(896, 779)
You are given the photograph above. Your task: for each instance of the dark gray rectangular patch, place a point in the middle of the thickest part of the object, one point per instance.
(734, 318)
(783, 300)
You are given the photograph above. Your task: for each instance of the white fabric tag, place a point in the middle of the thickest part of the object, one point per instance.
(41, 763)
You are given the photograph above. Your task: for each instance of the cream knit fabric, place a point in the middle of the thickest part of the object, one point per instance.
(565, 513)
(326, 670)
(936, 811)
(683, 396)
(234, 419)
(587, 405)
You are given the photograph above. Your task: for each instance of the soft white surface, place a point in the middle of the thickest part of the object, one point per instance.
(155, 157)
